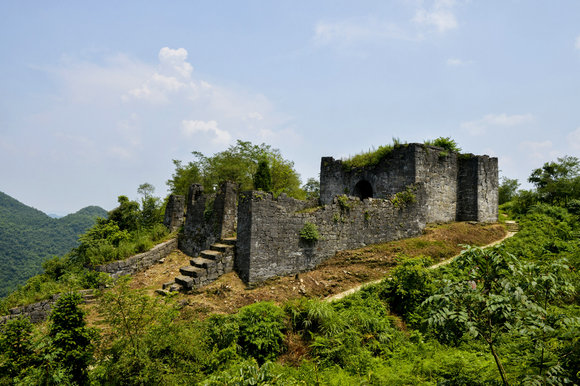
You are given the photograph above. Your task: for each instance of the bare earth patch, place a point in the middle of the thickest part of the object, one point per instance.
(348, 269)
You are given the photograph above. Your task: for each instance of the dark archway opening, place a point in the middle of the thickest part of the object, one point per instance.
(363, 189)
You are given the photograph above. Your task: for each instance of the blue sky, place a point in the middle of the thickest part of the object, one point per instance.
(98, 97)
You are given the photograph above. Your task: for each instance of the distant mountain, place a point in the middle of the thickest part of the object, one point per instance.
(29, 236)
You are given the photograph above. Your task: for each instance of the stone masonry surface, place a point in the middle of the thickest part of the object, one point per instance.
(358, 206)
(269, 242)
(38, 312)
(138, 262)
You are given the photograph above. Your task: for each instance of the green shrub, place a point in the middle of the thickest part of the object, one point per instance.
(223, 331)
(343, 202)
(312, 316)
(309, 232)
(158, 232)
(404, 198)
(411, 282)
(261, 331)
(446, 143)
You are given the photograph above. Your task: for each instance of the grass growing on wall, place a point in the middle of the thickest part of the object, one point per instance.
(369, 158)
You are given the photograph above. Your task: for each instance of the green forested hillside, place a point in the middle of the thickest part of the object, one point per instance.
(28, 236)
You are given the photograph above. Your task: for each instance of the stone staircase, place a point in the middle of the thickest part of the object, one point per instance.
(204, 269)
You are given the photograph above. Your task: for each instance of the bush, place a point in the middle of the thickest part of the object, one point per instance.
(261, 331)
(410, 284)
(309, 232)
(311, 316)
(446, 143)
(223, 331)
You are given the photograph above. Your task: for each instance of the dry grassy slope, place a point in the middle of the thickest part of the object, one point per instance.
(346, 270)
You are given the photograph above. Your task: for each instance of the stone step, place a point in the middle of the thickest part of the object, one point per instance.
(184, 281)
(200, 262)
(209, 254)
(220, 247)
(191, 271)
(162, 292)
(229, 240)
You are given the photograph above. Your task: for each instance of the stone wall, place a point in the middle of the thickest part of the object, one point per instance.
(391, 175)
(139, 262)
(38, 312)
(487, 189)
(437, 169)
(209, 218)
(477, 184)
(467, 208)
(457, 187)
(269, 242)
(174, 212)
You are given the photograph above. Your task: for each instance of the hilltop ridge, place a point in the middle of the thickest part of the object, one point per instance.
(28, 237)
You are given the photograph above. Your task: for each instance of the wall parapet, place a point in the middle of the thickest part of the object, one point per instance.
(269, 242)
(140, 262)
(38, 312)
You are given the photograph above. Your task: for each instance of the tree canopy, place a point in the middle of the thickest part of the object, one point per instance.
(558, 182)
(238, 163)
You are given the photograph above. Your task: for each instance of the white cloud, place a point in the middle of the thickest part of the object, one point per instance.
(578, 42)
(439, 16)
(539, 151)
(455, 62)
(256, 116)
(574, 139)
(174, 62)
(173, 74)
(350, 31)
(479, 127)
(190, 128)
(98, 84)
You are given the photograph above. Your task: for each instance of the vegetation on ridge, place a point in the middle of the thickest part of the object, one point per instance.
(130, 228)
(239, 163)
(28, 237)
(502, 315)
(374, 156)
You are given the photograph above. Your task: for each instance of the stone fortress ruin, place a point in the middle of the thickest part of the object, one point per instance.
(261, 236)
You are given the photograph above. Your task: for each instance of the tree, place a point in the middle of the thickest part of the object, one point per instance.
(126, 215)
(238, 163)
(507, 189)
(558, 182)
(262, 178)
(312, 189)
(150, 206)
(16, 348)
(485, 300)
(183, 177)
(71, 339)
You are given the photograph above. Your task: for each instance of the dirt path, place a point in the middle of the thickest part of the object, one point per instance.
(439, 264)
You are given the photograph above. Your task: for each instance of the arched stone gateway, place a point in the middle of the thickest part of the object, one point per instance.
(363, 189)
